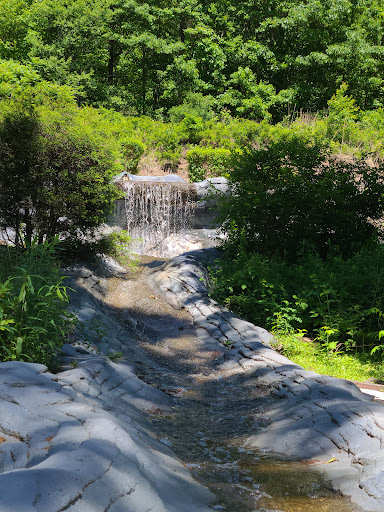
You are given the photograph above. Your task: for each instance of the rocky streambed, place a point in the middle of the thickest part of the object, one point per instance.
(169, 402)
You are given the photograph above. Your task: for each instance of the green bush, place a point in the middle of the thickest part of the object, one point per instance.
(193, 127)
(170, 158)
(116, 245)
(206, 162)
(132, 151)
(33, 298)
(290, 192)
(342, 116)
(195, 104)
(338, 301)
(55, 169)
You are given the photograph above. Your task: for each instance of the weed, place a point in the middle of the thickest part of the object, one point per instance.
(115, 356)
(33, 298)
(337, 302)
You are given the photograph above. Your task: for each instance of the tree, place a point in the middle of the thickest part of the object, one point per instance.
(141, 57)
(55, 170)
(13, 29)
(289, 192)
(69, 42)
(246, 97)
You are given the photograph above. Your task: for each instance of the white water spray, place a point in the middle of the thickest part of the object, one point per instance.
(156, 213)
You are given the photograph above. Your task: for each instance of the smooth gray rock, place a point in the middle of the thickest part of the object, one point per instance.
(60, 453)
(81, 440)
(212, 186)
(311, 415)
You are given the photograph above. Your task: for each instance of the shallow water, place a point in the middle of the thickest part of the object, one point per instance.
(209, 432)
(215, 413)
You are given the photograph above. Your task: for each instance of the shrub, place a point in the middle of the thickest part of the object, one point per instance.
(116, 245)
(195, 104)
(170, 158)
(55, 170)
(288, 193)
(193, 127)
(205, 162)
(342, 115)
(132, 151)
(166, 137)
(337, 301)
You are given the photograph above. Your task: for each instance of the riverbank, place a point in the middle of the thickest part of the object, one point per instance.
(176, 396)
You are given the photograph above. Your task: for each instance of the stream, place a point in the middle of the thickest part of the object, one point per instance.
(213, 414)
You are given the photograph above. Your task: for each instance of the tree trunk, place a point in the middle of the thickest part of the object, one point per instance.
(111, 62)
(144, 81)
(28, 226)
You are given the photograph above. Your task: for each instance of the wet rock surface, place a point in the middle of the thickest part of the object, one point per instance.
(82, 439)
(309, 416)
(161, 383)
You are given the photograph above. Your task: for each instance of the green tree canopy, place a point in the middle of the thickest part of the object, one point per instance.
(146, 56)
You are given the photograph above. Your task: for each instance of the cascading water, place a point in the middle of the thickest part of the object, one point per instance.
(158, 214)
(167, 217)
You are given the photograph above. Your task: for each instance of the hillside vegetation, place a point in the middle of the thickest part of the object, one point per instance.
(249, 58)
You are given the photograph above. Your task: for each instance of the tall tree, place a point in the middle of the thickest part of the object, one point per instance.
(55, 171)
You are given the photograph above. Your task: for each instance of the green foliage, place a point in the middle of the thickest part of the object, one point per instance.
(55, 170)
(358, 366)
(246, 96)
(116, 244)
(342, 115)
(33, 298)
(206, 162)
(13, 28)
(196, 105)
(149, 58)
(193, 126)
(170, 158)
(337, 301)
(15, 75)
(289, 192)
(133, 150)
(179, 79)
(115, 356)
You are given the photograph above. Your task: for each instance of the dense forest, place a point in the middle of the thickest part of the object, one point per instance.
(252, 59)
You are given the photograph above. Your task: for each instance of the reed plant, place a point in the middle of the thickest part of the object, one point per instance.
(33, 299)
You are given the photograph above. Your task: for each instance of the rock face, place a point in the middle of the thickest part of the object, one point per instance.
(211, 187)
(313, 416)
(81, 440)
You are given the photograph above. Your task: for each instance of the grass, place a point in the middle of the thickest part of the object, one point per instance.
(337, 302)
(311, 356)
(34, 322)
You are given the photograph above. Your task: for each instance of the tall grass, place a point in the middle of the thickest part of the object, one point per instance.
(33, 298)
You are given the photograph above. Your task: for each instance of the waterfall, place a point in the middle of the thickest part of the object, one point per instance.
(157, 214)
(165, 216)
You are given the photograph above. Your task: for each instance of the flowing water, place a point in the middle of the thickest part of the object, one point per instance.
(214, 413)
(157, 212)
